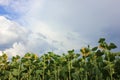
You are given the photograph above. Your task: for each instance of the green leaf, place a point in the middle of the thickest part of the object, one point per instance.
(81, 69)
(15, 72)
(48, 72)
(101, 40)
(14, 78)
(99, 53)
(112, 46)
(39, 71)
(99, 59)
(94, 49)
(71, 51)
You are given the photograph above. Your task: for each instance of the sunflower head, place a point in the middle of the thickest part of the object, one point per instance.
(85, 51)
(5, 56)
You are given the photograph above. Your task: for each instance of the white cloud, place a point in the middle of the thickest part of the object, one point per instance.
(4, 2)
(16, 49)
(21, 40)
(33, 44)
(10, 34)
(0, 53)
(10, 31)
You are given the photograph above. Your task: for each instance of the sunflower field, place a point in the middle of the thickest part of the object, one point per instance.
(97, 63)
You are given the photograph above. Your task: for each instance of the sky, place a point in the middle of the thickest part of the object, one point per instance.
(40, 26)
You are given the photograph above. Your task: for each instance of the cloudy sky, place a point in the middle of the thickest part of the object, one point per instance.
(40, 26)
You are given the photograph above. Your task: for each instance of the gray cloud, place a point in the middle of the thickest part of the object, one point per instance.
(89, 19)
(74, 23)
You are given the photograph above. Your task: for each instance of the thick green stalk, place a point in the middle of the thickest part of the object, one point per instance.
(69, 70)
(44, 67)
(58, 73)
(19, 71)
(29, 73)
(85, 69)
(55, 73)
(108, 53)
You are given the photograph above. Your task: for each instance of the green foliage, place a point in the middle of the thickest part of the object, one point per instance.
(97, 63)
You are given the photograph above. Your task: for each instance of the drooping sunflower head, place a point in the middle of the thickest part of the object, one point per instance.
(85, 51)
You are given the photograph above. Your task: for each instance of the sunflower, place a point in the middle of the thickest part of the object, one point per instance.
(85, 52)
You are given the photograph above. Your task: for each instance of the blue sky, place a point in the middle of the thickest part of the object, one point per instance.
(49, 25)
